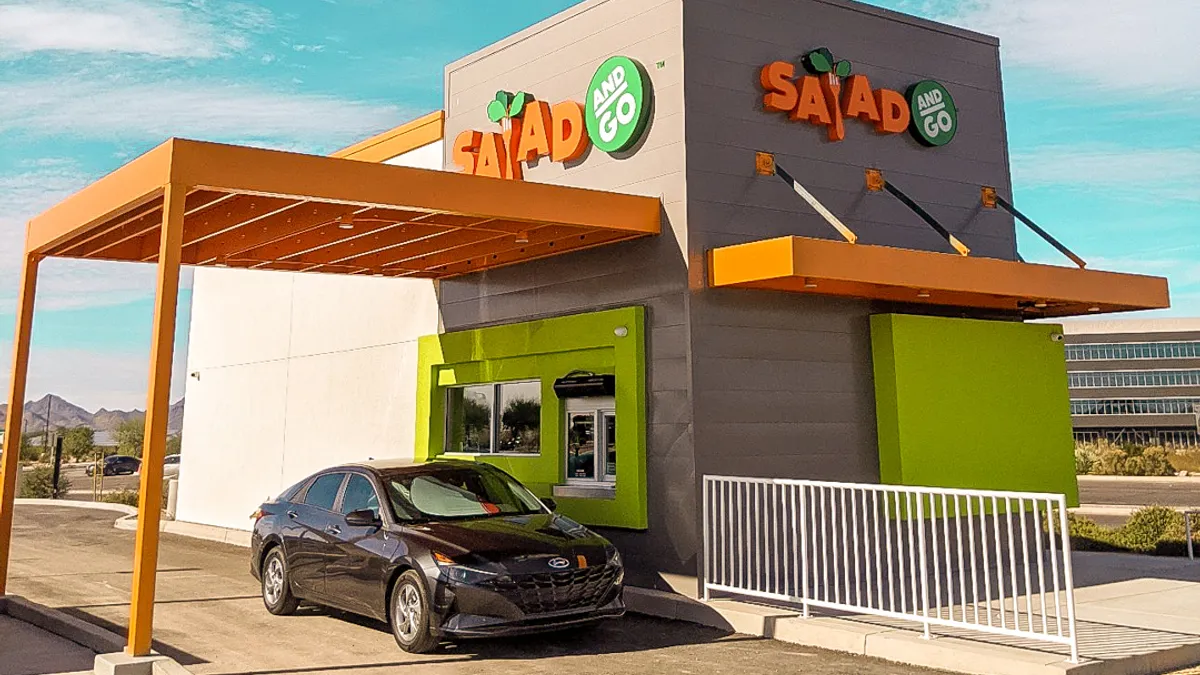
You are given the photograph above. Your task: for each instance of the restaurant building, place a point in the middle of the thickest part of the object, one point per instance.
(815, 276)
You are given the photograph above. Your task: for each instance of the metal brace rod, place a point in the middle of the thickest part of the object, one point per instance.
(876, 182)
(766, 166)
(991, 199)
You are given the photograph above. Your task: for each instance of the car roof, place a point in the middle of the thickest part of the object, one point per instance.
(394, 464)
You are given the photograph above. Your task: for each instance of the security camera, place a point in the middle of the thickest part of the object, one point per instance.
(1058, 337)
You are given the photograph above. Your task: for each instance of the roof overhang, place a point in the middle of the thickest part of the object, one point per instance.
(265, 209)
(825, 267)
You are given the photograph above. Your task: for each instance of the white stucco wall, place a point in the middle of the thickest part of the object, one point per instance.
(290, 373)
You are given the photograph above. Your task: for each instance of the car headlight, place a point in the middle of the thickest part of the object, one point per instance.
(614, 556)
(461, 574)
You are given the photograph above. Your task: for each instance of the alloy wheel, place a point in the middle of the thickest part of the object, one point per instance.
(273, 584)
(408, 612)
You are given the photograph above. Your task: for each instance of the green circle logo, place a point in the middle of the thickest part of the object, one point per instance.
(934, 117)
(618, 104)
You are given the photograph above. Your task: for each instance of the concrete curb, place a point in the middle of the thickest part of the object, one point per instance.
(71, 504)
(64, 625)
(223, 535)
(893, 644)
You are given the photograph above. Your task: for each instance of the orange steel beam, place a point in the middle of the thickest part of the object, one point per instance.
(133, 185)
(281, 225)
(395, 142)
(544, 235)
(271, 172)
(324, 243)
(10, 460)
(158, 402)
(533, 251)
(144, 225)
(406, 250)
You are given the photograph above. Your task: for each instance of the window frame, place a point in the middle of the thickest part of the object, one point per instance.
(598, 408)
(494, 420)
(337, 495)
(340, 505)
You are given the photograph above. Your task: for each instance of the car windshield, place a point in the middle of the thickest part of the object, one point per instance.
(457, 493)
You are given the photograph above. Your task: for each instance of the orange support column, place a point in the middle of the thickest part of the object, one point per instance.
(10, 461)
(162, 347)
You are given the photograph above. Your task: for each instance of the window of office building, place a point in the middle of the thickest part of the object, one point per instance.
(1086, 379)
(1133, 351)
(1134, 406)
(500, 417)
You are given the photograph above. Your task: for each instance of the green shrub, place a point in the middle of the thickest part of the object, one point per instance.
(1156, 530)
(38, 483)
(1111, 462)
(1156, 462)
(1084, 461)
(1186, 459)
(126, 497)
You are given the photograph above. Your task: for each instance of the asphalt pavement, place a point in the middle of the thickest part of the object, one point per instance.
(209, 617)
(1140, 491)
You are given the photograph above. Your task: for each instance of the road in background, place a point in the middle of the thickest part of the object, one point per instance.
(1140, 491)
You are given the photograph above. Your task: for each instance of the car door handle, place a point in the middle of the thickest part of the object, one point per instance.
(292, 514)
(333, 529)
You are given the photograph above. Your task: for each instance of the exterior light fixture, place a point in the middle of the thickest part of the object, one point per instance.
(1093, 309)
(923, 294)
(522, 238)
(345, 222)
(1040, 304)
(809, 283)
(621, 331)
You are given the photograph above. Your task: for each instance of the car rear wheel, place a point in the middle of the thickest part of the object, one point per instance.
(409, 614)
(276, 591)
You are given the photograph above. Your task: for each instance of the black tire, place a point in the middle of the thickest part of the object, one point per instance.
(276, 588)
(409, 621)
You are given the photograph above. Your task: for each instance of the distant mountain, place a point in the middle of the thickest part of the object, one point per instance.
(63, 413)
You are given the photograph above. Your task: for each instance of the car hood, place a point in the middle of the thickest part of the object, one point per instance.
(520, 543)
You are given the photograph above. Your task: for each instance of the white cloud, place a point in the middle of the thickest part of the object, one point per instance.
(1146, 174)
(115, 110)
(62, 284)
(156, 29)
(1148, 45)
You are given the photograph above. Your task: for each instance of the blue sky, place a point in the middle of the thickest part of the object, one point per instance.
(1103, 121)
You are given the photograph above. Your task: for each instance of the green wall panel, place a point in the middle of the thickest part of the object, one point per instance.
(972, 404)
(545, 350)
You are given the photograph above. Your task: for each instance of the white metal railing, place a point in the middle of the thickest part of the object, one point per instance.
(989, 561)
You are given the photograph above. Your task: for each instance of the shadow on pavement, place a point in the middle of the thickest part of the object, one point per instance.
(1096, 568)
(181, 657)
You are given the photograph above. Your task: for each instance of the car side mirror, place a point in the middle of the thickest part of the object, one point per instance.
(363, 518)
(550, 504)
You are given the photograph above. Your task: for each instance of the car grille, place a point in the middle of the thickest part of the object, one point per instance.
(557, 591)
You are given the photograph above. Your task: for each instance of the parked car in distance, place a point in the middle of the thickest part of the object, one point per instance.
(171, 466)
(447, 549)
(115, 465)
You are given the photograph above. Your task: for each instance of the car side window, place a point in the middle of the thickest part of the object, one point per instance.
(360, 495)
(323, 491)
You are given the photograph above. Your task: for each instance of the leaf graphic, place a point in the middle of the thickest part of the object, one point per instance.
(518, 104)
(819, 61)
(504, 98)
(843, 68)
(496, 111)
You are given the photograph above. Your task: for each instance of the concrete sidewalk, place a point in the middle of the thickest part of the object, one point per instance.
(1135, 614)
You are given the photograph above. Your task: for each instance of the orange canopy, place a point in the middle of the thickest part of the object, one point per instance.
(264, 209)
(826, 267)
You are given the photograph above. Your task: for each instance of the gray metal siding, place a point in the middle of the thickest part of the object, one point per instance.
(784, 382)
(555, 61)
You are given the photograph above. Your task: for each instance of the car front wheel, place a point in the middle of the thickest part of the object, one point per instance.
(409, 614)
(276, 591)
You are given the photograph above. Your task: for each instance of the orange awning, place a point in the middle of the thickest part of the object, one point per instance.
(826, 267)
(265, 209)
